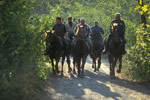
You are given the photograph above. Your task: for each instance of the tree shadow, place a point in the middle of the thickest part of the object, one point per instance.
(122, 83)
(70, 87)
(75, 87)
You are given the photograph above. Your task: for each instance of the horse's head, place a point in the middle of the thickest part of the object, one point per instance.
(50, 37)
(115, 29)
(115, 32)
(80, 30)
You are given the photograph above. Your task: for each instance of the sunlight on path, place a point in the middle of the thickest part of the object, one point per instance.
(94, 86)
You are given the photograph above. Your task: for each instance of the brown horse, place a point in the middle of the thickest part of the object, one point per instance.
(80, 50)
(97, 51)
(55, 51)
(115, 51)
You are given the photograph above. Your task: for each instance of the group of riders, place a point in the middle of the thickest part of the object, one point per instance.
(69, 32)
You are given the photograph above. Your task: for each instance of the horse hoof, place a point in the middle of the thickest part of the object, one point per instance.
(58, 71)
(112, 77)
(118, 71)
(97, 69)
(69, 70)
(62, 74)
(74, 72)
(92, 66)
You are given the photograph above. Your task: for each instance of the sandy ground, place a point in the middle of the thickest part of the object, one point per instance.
(93, 86)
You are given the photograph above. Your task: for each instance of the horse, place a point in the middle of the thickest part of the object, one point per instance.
(55, 51)
(79, 50)
(97, 51)
(115, 50)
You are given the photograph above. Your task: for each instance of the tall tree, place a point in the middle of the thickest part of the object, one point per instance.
(143, 17)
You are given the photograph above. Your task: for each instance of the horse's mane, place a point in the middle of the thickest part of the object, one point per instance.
(115, 42)
(80, 30)
(54, 41)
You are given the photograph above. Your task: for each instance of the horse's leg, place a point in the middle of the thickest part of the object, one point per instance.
(110, 62)
(113, 67)
(78, 65)
(94, 63)
(57, 61)
(63, 59)
(120, 64)
(52, 61)
(99, 63)
(68, 62)
(74, 65)
(83, 63)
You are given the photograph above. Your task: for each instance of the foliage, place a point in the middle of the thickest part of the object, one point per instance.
(22, 39)
(138, 66)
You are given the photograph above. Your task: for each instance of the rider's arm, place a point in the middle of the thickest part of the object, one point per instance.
(89, 31)
(92, 29)
(101, 30)
(65, 32)
(75, 30)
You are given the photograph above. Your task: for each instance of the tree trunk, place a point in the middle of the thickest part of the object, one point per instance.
(143, 17)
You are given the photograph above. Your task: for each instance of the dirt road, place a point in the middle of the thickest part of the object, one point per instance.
(94, 86)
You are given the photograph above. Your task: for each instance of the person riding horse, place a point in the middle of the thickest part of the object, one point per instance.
(98, 46)
(86, 32)
(59, 30)
(70, 26)
(97, 31)
(121, 26)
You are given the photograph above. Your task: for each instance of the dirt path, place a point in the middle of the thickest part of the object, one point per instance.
(94, 86)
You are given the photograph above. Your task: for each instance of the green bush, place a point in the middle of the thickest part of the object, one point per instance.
(22, 42)
(138, 60)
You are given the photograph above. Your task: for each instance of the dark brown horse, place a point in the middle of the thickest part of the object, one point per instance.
(80, 51)
(55, 51)
(97, 51)
(115, 51)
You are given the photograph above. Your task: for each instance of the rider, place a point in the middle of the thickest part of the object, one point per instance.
(63, 21)
(87, 32)
(60, 30)
(70, 26)
(98, 31)
(121, 26)
(74, 20)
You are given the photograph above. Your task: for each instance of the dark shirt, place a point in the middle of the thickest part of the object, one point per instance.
(70, 23)
(60, 29)
(121, 26)
(96, 30)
